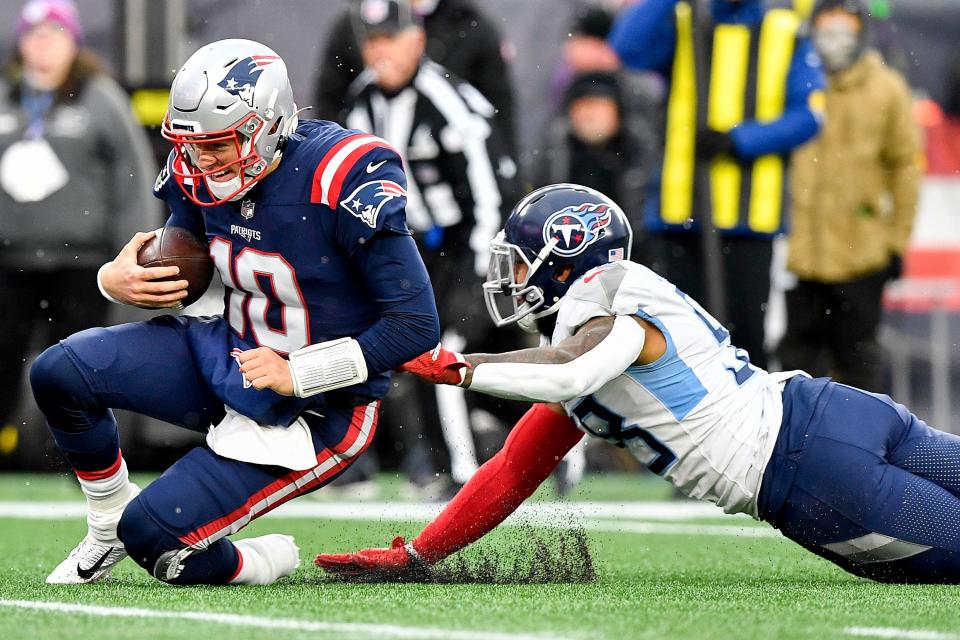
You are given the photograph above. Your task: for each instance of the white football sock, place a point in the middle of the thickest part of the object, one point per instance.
(106, 499)
(266, 559)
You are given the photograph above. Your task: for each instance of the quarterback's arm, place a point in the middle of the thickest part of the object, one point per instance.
(537, 443)
(600, 351)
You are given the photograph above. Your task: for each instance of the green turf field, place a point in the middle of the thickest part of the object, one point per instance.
(669, 571)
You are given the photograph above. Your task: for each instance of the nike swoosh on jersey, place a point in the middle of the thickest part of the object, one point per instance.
(373, 166)
(593, 275)
(86, 574)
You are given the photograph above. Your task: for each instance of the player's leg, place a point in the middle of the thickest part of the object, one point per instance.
(849, 504)
(177, 527)
(747, 275)
(144, 367)
(802, 345)
(857, 354)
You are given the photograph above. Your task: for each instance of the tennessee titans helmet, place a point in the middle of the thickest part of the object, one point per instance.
(234, 91)
(551, 238)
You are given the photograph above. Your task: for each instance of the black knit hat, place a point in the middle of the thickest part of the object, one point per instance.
(592, 20)
(595, 84)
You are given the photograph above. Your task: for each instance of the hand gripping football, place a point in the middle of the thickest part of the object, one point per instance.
(175, 246)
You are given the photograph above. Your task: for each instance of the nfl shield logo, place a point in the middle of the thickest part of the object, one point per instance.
(246, 209)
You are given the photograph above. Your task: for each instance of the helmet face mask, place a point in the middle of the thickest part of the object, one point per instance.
(233, 96)
(552, 237)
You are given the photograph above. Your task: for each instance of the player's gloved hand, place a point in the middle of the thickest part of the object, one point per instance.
(395, 558)
(439, 366)
(712, 143)
(125, 281)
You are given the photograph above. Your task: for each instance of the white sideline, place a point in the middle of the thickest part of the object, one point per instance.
(290, 624)
(904, 634)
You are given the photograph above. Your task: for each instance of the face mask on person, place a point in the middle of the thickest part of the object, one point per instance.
(837, 46)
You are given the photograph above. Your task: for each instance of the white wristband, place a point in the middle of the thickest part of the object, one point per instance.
(103, 291)
(326, 366)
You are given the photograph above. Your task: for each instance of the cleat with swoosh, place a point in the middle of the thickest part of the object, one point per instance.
(92, 560)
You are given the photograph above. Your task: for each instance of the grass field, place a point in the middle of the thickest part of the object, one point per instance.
(664, 570)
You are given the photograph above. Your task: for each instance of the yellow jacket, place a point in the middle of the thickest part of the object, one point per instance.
(854, 189)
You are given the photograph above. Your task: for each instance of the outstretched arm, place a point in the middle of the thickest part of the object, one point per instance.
(532, 451)
(600, 350)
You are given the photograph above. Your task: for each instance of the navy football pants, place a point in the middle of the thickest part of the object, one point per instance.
(862, 482)
(177, 527)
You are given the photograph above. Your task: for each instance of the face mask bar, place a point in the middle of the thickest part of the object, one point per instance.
(508, 301)
(190, 176)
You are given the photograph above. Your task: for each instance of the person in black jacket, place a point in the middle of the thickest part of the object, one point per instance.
(459, 38)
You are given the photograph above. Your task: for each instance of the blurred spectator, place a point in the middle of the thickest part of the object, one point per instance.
(854, 201)
(595, 142)
(586, 51)
(458, 181)
(761, 102)
(75, 172)
(459, 38)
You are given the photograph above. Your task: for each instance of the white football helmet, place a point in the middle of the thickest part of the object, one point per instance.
(230, 90)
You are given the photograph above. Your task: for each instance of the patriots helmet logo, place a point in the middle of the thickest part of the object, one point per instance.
(368, 199)
(576, 227)
(242, 78)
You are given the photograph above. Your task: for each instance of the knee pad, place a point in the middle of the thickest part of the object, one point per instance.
(54, 377)
(150, 546)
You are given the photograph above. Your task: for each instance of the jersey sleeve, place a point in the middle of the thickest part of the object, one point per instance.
(612, 289)
(183, 212)
(361, 180)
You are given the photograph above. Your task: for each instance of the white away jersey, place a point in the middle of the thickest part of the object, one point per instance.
(701, 415)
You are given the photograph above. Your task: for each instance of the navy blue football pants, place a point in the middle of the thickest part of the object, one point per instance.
(184, 516)
(859, 480)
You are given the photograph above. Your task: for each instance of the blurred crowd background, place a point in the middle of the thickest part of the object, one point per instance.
(554, 102)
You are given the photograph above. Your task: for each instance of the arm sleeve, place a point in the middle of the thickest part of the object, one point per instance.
(801, 117)
(645, 35)
(901, 155)
(532, 451)
(133, 168)
(398, 281)
(581, 376)
(372, 230)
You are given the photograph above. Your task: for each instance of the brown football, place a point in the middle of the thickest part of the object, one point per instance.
(175, 246)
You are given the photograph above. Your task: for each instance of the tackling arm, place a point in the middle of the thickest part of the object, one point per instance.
(578, 366)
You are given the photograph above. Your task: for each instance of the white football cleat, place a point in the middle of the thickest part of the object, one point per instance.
(96, 555)
(267, 558)
(92, 560)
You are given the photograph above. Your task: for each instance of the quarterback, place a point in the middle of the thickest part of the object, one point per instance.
(626, 356)
(305, 224)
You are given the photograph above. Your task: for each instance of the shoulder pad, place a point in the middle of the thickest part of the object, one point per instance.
(339, 162)
(600, 284)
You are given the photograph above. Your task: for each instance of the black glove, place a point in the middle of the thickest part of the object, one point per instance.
(895, 268)
(712, 143)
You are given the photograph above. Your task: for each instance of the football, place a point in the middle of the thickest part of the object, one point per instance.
(175, 246)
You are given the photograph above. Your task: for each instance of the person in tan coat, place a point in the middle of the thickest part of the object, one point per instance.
(854, 192)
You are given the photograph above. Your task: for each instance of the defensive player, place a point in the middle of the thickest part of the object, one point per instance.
(306, 226)
(850, 475)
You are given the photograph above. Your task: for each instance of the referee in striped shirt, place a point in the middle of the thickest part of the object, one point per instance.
(460, 184)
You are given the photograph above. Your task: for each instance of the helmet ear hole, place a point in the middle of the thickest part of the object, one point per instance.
(562, 273)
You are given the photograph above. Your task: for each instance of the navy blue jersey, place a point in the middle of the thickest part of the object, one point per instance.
(291, 256)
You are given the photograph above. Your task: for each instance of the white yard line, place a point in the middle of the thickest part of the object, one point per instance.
(629, 517)
(899, 634)
(273, 624)
(307, 508)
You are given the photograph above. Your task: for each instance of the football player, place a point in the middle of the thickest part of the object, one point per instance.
(626, 356)
(323, 284)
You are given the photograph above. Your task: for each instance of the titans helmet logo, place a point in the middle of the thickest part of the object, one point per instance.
(242, 78)
(576, 228)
